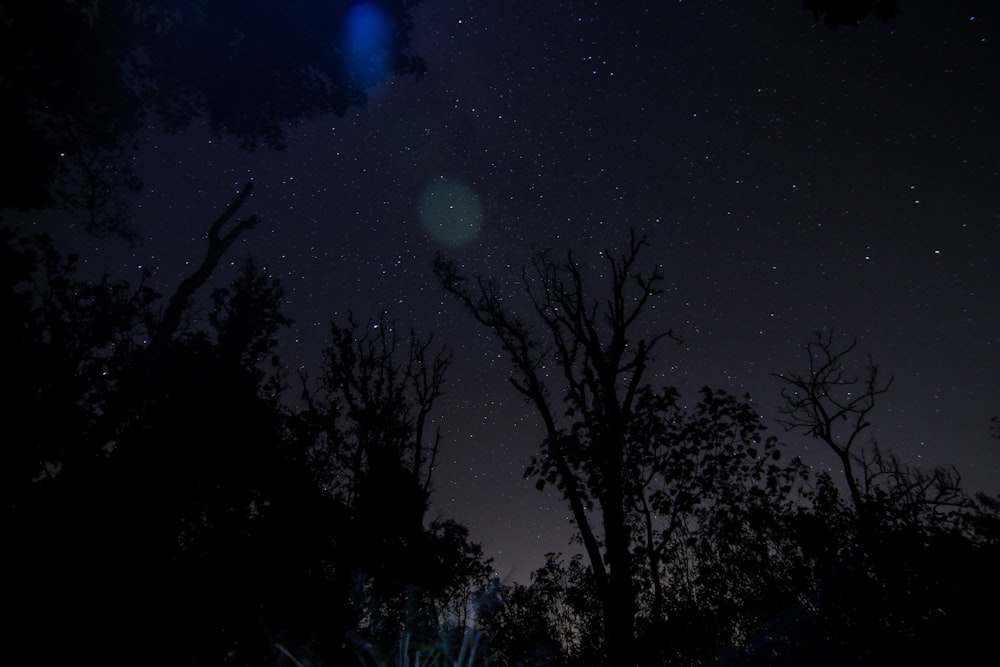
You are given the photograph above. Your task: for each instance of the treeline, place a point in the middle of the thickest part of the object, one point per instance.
(164, 505)
(703, 541)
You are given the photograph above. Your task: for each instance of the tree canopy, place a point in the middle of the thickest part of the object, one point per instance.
(642, 475)
(80, 79)
(161, 487)
(704, 540)
(157, 483)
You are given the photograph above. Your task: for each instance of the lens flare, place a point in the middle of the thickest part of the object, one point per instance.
(367, 43)
(450, 211)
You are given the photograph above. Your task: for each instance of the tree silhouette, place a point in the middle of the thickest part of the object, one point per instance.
(157, 485)
(834, 406)
(643, 475)
(602, 373)
(218, 243)
(166, 504)
(908, 551)
(555, 620)
(364, 429)
(715, 489)
(831, 405)
(81, 78)
(733, 554)
(73, 339)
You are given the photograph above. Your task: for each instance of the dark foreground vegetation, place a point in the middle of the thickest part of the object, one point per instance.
(163, 504)
(172, 494)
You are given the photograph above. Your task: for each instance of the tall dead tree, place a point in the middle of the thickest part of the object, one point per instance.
(832, 404)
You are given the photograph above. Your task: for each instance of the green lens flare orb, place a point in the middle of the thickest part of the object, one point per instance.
(450, 211)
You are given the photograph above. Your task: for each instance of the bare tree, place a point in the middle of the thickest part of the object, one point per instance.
(910, 496)
(373, 400)
(834, 406)
(831, 404)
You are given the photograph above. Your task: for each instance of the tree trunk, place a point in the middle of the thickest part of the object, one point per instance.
(619, 603)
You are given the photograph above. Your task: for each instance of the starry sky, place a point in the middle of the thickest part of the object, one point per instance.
(789, 177)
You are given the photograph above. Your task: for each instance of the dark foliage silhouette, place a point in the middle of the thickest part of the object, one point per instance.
(734, 553)
(555, 620)
(81, 78)
(168, 506)
(913, 546)
(363, 428)
(155, 524)
(165, 502)
(645, 478)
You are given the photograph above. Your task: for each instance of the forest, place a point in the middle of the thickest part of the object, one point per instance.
(175, 494)
(162, 500)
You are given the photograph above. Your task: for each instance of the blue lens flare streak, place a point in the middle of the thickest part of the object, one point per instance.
(367, 40)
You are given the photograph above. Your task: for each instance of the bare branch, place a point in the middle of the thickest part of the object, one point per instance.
(217, 247)
(831, 405)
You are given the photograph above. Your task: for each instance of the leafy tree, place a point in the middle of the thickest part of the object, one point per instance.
(364, 429)
(246, 318)
(88, 350)
(160, 487)
(71, 340)
(709, 522)
(640, 473)
(154, 524)
(555, 620)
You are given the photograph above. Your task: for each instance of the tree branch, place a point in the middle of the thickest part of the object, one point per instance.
(217, 246)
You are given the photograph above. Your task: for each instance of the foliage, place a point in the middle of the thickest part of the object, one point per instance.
(555, 620)
(81, 78)
(157, 484)
(152, 464)
(645, 478)
(72, 340)
(246, 317)
(363, 429)
(733, 552)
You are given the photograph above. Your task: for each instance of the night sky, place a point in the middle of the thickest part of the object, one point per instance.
(789, 177)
